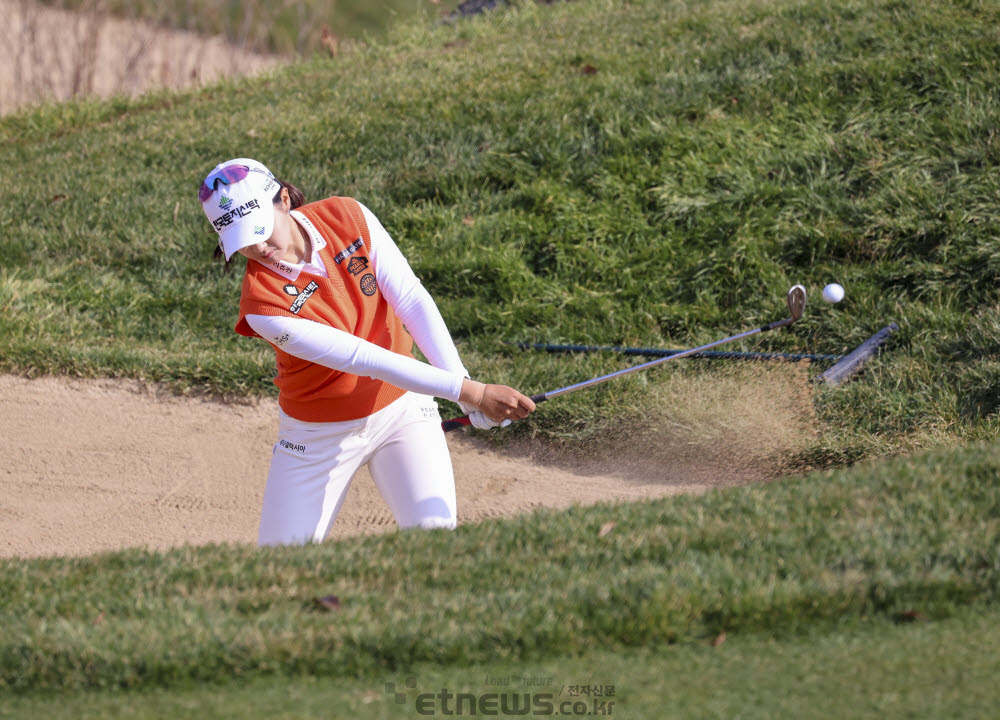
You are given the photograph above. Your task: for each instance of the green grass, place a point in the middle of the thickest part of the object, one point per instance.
(720, 152)
(800, 556)
(872, 669)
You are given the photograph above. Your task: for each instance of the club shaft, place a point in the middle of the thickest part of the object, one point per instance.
(660, 352)
(644, 366)
(796, 303)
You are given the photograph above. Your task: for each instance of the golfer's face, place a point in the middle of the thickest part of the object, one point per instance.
(276, 246)
(270, 249)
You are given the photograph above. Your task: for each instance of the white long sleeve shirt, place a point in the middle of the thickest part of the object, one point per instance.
(342, 351)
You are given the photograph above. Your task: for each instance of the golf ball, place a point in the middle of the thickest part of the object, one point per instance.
(833, 293)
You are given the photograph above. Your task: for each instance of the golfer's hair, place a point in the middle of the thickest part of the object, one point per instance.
(297, 198)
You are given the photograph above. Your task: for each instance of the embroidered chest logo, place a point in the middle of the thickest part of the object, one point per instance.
(368, 284)
(348, 251)
(303, 296)
(291, 290)
(357, 265)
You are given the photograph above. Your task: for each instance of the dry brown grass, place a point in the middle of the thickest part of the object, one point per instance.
(56, 55)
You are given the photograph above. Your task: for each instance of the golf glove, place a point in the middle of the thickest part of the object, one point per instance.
(479, 418)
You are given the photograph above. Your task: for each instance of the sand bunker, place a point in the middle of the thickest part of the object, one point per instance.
(97, 465)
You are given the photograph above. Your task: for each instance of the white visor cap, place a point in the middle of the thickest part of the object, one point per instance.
(241, 211)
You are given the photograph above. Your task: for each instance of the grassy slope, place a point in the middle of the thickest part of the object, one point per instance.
(792, 558)
(721, 151)
(872, 669)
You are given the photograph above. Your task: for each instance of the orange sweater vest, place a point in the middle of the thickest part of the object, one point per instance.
(348, 300)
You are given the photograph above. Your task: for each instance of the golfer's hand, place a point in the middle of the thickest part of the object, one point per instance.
(478, 419)
(496, 402)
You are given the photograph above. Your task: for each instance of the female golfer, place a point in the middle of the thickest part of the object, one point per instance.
(327, 287)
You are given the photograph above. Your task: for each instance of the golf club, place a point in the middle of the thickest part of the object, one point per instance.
(796, 299)
(659, 352)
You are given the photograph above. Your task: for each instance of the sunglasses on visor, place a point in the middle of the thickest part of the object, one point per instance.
(227, 176)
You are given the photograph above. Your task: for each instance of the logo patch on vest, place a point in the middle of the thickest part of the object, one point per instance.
(368, 284)
(357, 265)
(291, 290)
(348, 251)
(305, 295)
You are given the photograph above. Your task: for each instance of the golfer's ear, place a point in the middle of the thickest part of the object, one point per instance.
(283, 198)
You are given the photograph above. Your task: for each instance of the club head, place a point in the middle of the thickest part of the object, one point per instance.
(796, 301)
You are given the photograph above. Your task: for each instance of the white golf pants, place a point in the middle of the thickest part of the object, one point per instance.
(313, 464)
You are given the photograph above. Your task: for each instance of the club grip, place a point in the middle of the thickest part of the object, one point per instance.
(455, 423)
(459, 422)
